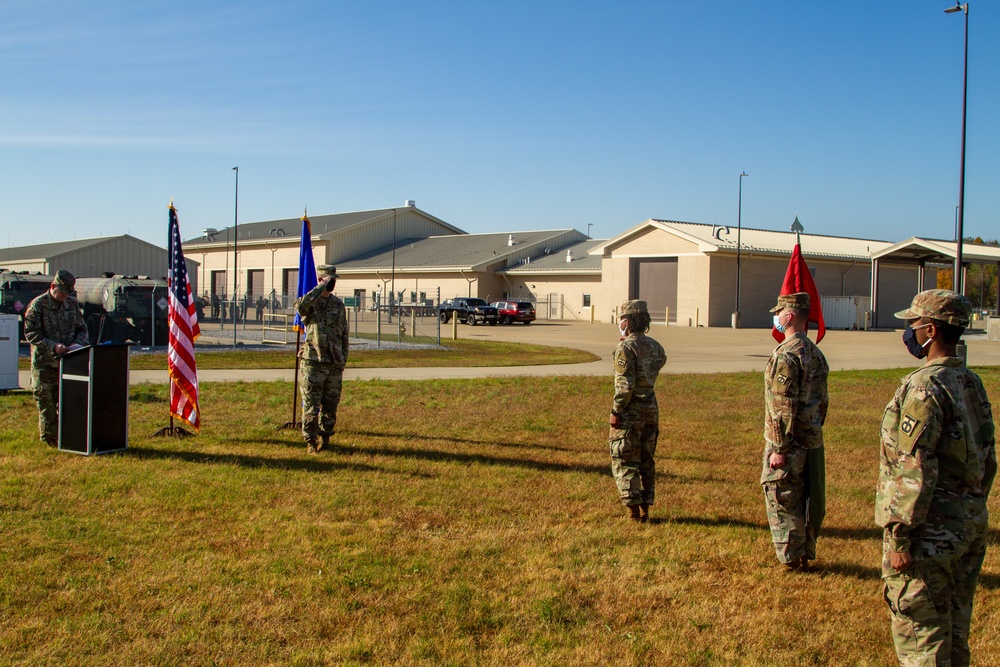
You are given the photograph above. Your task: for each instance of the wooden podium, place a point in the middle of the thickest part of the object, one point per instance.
(93, 400)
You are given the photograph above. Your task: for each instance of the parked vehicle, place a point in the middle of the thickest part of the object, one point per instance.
(124, 308)
(515, 311)
(17, 289)
(470, 310)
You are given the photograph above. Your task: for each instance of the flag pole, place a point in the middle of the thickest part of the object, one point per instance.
(294, 424)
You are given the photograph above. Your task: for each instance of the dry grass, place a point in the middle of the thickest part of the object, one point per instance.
(464, 522)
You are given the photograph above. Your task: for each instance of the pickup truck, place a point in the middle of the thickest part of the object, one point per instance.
(470, 310)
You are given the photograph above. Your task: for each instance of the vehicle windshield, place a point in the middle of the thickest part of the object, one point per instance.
(524, 305)
(476, 302)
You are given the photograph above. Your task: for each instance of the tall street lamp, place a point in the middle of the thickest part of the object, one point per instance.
(739, 247)
(236, 236)
(959, 282)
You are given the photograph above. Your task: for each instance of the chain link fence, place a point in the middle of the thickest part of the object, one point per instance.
(268, 319)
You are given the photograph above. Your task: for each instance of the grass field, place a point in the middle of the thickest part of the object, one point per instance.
(462, 353)
(461, 522)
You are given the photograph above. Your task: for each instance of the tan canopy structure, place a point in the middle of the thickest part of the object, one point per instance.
(922, 253)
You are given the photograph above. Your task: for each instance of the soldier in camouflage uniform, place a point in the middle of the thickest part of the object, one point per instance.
(795, 405)
(635, 417)
(938, 461)
(322, 358)
(52, 323)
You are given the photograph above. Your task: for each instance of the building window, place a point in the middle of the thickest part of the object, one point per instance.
(586, 301)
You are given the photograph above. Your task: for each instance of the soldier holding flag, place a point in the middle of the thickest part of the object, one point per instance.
(323, 358)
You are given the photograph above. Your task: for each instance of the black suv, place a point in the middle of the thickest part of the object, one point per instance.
(470, 310)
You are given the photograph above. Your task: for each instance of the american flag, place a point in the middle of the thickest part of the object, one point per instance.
(184, 330)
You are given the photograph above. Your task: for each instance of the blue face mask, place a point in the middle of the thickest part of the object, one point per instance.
(910, 341)
(778, 325)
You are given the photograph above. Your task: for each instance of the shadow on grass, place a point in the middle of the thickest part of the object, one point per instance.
(713, 522)
(463, 441)
(324, 463)
(850, 570)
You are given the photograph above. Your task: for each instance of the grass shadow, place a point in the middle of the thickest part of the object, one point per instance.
(463, 441)
(714, 522)
(251, 462)
(850, 570)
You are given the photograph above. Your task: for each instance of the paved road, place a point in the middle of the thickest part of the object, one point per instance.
(689, 350)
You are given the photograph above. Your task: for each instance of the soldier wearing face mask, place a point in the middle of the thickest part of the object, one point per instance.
(937, 465)
(635, 416)
(795, 405)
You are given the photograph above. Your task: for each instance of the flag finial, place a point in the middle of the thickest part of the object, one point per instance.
(305, 212)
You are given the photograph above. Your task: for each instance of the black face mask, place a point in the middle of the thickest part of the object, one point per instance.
(910, 341)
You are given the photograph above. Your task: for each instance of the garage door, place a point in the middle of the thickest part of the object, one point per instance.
(655, 281)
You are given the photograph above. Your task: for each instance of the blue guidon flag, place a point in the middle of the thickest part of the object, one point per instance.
(307, 267)
(183, 326)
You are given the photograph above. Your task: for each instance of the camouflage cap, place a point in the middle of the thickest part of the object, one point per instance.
(939, 304)
(633, 307)
(327, 271)
(64, 280)
(797, 301)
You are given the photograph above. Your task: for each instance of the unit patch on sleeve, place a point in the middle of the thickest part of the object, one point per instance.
(909, 424)
(782, 379)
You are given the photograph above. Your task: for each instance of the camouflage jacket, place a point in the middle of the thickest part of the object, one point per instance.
(795, 398)
(325, 320)
(938, 456)
(48, 322)
(638, 360)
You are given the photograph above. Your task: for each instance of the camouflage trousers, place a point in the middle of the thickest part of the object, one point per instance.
(45, 389)
(930, 604)
(320, 383)
(795, 496)
(632, 449)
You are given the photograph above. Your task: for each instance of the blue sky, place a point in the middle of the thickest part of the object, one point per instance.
(496, 116)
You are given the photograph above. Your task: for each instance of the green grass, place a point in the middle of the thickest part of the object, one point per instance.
(450, 353)
(461, 522)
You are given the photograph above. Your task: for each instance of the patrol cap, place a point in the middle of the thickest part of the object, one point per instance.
(327, 271)
(64, 280)
(797, 301)
(939, 304)
(633, 307)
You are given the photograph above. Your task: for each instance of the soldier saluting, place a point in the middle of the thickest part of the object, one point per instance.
(323, 357)
(937, 464)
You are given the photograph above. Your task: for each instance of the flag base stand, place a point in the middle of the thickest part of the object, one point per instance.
(290, 425)
(173, 431)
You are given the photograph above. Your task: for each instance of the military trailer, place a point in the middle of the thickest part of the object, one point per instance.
(17, 289)
(124, 308)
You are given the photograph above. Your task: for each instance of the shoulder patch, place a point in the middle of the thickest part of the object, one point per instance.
(782, 379)
(621, 362)
(909, 424)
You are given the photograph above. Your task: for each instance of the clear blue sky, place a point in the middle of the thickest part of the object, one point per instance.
(496, 116)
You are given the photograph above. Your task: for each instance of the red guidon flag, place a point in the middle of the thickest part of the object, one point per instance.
(183, 325)
(798, 279)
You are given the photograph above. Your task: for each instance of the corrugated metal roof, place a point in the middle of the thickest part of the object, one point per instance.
(555, 262)
(720, 238)
(292, 227)
(45, 251)
(462, 251)
(918, 249)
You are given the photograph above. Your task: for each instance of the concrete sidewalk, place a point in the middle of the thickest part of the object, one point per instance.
(689, 350)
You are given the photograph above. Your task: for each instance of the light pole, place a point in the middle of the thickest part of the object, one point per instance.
(236, 236)
(739, 248)
(959, 282)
